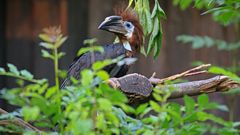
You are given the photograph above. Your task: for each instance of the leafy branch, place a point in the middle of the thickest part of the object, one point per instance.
(22, 74)
(225, 12)
(151, 22)
(205, 41)
(52, 40)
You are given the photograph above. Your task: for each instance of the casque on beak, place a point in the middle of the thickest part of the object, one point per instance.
(113, 24)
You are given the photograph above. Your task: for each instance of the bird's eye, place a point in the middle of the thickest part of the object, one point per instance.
(128, 24)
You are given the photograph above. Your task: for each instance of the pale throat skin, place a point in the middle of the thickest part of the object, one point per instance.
(130, 29)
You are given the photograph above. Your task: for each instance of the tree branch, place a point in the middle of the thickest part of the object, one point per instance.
(19, 122)
(138, 87)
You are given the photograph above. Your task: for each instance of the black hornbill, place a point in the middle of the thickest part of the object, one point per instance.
(126, 26)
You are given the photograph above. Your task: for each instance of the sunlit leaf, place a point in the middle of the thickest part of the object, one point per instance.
(51, 91)
(30, 113)
(46, 45)
(45, 37)
(61, 54)
(2, 70)
(104, 104)
(156, 107)
(90, 49)
(46, 54)
(90, 41)
(101, 64)
(87, 77)
(189, 103)
(13, 69)
(218, 70)
(103, 75)
(141, 108)
(202, 100)
(60, 42)
(26, 74)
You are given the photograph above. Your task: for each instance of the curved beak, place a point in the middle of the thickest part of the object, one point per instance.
(113, 24)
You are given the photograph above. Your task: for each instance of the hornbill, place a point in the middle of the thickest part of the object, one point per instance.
(126, 26)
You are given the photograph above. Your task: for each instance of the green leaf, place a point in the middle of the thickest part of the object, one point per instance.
(61, 54)
(189, 103)
(90, 49)
(60, 42)
(13, 69)
(158, 45)
(143, 51)
(153, 36)
(26, 74)
(141, 108)
(154, 12)
(155, 106)
(82, 127)
(103, 75)
(149, 21)
(202, 100)
(90, 41)
(218, 70)
(45, 38)
(185, 3)
(104, 104)
(2, 70)
(46, 45)
(101, 64)
(86, 77)
(51, 91)
(30, 113)
(223, 108)
(46, 54)
(129, 3)
(157, 97)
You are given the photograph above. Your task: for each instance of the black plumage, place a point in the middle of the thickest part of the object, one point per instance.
(126, 26)
(85, 61)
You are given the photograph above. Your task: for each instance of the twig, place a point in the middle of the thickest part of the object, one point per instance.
(190, 72)
(21, 122)
(215, 84)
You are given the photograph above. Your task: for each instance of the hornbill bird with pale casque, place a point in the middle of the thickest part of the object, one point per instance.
(126, 26)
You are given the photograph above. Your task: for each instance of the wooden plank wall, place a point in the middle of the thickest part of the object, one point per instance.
(79, 19)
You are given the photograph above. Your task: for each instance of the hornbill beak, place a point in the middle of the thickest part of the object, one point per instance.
(113, 24)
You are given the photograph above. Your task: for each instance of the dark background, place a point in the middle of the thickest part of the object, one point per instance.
(22, 20)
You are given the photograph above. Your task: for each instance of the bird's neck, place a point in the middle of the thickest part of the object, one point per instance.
(129, 45)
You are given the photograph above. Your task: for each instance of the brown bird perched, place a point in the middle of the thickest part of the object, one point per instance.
(126, 26)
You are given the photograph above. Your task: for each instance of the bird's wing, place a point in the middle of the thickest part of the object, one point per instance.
(85, 61)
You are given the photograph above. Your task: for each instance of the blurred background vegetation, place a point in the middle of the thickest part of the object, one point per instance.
(22, 21)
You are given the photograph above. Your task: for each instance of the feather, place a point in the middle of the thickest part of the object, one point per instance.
(84, 62)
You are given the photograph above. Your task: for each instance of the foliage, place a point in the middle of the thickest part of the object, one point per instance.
(91, 106)
(151, 22)
(198, 42)
(223, 11)
(172, 118)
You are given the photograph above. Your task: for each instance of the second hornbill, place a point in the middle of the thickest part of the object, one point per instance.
(126, 26)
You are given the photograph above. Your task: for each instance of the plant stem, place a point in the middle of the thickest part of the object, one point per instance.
(55, 54)
(56, 68)
(19, 77)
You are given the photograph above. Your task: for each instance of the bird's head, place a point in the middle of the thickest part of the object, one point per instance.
(125, 24)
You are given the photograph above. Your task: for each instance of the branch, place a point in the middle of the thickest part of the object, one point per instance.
(138, 87)
(194, 71)
(19, 122)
